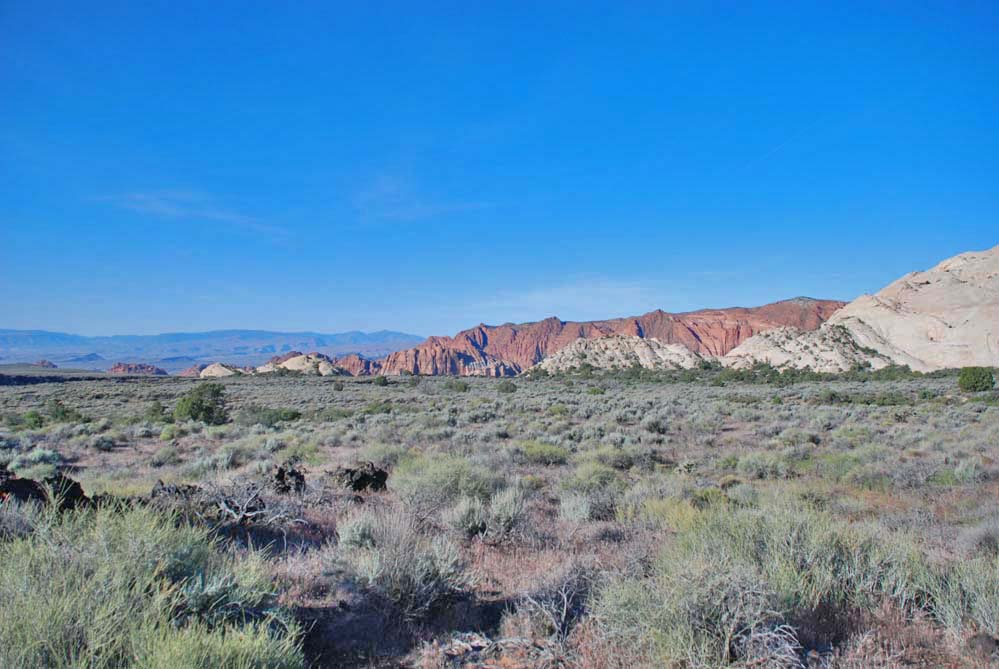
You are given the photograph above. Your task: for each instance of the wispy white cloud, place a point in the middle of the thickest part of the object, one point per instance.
(188, 206)
(394, 199)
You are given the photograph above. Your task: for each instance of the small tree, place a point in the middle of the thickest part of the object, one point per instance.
(206, 403)
(381, 381)
(507, 386)
(975, 379)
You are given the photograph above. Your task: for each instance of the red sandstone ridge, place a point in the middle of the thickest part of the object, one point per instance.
(358, 366)
(46, 364)
(506, 350)
(194, 371)
(135, 369)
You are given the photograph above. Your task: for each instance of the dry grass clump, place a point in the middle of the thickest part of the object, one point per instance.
(132, 587)
(388, 553)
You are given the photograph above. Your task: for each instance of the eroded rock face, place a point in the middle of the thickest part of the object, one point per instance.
(947, 316)
(355, 365)
(621, 352)
(46, 364)
(136, 369)
(194, 371)
(506, 350)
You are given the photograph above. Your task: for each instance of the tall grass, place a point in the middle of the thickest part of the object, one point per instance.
(133, 587)
(739, 583)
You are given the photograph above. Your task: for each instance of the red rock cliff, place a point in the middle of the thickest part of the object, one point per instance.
(506, 350)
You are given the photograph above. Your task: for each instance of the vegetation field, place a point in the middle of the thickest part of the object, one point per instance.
(699, 519)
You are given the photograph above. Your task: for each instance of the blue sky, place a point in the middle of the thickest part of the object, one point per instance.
(427, 166)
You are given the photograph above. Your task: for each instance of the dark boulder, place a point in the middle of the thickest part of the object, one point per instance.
(363, 476)
(288, 479)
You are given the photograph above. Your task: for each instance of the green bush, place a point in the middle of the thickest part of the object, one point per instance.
(60, 413)
(381, 381)
(266, 416)
(32, 420)
(592, 477)
(457, 385)
(975, 379)
(506, 386)
(167, 455)
(131, 587)
(37, 463)
(205, 403)
(763, 465)
(156, 413)
(434, 481)
(540, 453)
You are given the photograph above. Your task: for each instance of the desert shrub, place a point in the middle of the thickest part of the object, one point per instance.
(655, 425)
(120, 587)
(102, 442)
(724, 588)
(205, 403)
(702, 613)
(167, 455)
(983, 540)
(37, 463)
(169, 433)
(413, 571)
(506, 386)
(383, 455)
(541, 453)
(157, 413)
(31, 420)
(975, 379)
(357, 531)
(266, 416)
(469, 516)
(613, 457)
(743, 494)
(574, 507)
(764, 466)
(61, 413)
(457, 385)
(331, 414)
(381, 381)
(506, 511)
(967, 471)
(433, 481)
(592, 477)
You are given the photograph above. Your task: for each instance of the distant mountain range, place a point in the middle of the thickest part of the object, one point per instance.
(179, 350)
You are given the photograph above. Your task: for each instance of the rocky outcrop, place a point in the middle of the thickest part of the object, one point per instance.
(193, 372)
(218, 370)
(621, 352)
(506, 350)
(355, 365)
(829, 349)
(947, 316)
(135, 369)
(47, 364)
(310, 363)
(284, 357)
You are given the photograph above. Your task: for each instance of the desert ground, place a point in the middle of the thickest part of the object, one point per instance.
(696, 518)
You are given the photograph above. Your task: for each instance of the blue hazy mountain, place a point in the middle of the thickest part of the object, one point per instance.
(176, 350)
